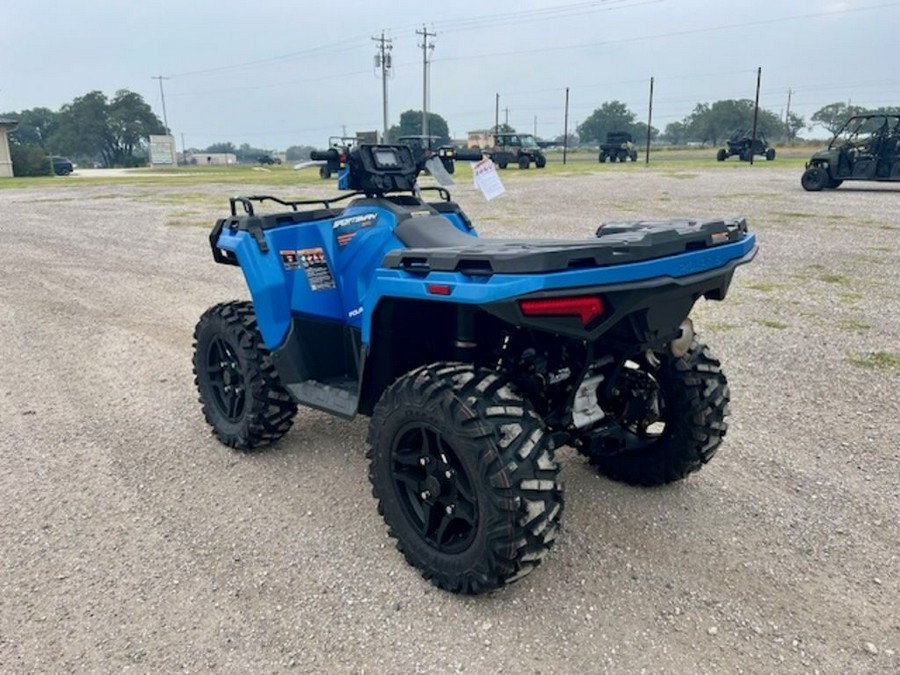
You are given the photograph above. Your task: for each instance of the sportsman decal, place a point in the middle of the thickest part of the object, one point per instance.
(346, 228)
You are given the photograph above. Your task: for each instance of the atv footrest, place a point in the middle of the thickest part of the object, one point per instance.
(339, 395)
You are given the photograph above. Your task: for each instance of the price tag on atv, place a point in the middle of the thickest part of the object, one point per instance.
(435, 167)
(486, 179)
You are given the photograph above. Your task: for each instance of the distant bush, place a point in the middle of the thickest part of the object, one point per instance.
(132, 161)
(30, 160)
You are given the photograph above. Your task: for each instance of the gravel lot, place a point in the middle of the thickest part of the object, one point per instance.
(132, 540)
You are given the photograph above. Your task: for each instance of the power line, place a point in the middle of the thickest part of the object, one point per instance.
(383, 61)
(457, 25)
(426, 45)
(689, 31)
(162, 96)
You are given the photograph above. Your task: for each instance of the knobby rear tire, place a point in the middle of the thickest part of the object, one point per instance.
(695, 398)
(450, 417)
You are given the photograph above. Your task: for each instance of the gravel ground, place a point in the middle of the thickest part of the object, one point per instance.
(132, 540)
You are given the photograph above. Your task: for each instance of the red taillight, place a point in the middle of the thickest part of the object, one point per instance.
(439, 289)
(585, 308)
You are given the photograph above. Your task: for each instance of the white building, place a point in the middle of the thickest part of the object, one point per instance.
(6, 168)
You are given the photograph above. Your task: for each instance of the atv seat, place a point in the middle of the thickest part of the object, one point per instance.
(431, 232)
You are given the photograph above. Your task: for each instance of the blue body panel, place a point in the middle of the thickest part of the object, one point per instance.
(477, 290)
(353, 246)
(281, 289)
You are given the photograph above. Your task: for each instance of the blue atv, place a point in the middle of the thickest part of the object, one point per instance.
(474, 358)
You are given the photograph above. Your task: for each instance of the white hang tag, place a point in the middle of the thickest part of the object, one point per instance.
(486, 179)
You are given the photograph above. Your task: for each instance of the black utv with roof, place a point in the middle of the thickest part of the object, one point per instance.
(867, 147)
(619, 146)
(742, 144)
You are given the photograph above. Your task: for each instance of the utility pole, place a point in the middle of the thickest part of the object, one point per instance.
(183, 150)
(162, 96)
(506, 118)
(566, 128)
(755, 113)
(649, 122)
(496, 115)
(426, 45)
(787, 119)
(383, 61)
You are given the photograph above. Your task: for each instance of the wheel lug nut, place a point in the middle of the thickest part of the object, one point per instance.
(425, 494)
(448, 473)
(423, 461)
(450, 509)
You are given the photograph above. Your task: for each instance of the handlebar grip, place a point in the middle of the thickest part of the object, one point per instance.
(468, 155)
(324, 155)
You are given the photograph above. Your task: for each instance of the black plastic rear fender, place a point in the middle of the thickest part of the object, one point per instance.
(648, 312)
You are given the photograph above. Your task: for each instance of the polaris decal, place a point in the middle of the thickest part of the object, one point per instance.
(346, 228)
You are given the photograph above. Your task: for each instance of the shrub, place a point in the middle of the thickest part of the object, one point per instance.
(30, 160)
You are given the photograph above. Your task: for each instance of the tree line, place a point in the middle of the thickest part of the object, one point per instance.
(91, 129)
(96, 129)
(713, 123)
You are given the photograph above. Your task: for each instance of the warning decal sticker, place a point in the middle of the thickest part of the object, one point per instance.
(314, 264)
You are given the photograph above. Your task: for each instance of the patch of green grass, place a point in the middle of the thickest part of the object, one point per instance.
(188, 222)
(720, 326)
(876, 360)
(867, 259)
(854, 325)
(793, 214)
(681, 175)
(771, 323)
(835, 279)
(765, 286)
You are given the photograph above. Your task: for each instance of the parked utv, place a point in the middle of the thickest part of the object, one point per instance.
(424, 147)
(62, 166)
(337, 160)
(475, 358)
(512, 148)
(268, 160)
(740, 144)
(619, 146)
(867, 147)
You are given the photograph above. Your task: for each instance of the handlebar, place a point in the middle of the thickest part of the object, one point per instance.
(324, 155)
(468, 155)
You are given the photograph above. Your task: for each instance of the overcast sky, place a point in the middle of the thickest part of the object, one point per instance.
(275, 73)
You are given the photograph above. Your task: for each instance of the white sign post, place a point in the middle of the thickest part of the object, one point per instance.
(162, 151)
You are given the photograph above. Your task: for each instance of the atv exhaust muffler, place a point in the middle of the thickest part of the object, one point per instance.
(680, 345)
